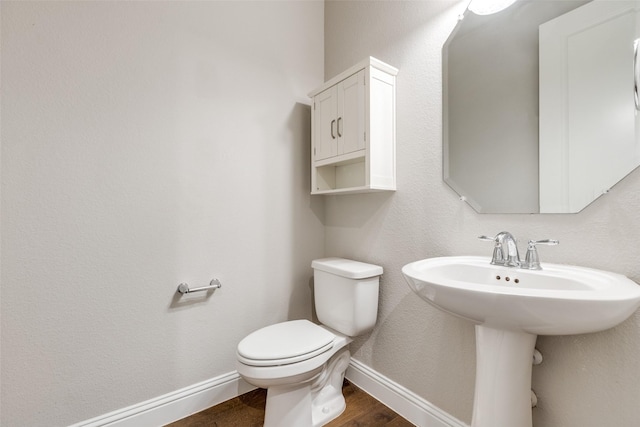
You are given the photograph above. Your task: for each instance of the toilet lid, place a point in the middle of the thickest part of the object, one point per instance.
(284, 343)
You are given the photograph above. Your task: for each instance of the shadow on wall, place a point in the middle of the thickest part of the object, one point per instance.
(179, 300)
(299, 124)
(356, 226)
(355, 210)
(431, 339)
(306, 240)
(314, 315)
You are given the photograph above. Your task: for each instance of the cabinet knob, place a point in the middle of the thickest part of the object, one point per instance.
(333, 135)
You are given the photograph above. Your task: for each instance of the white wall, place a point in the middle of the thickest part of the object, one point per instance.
(584, 381)
(145, 144)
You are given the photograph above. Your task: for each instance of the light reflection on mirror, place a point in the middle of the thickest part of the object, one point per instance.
(582, 108)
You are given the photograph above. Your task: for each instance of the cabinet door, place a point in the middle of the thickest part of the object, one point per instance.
(350, 122)
(325, 124)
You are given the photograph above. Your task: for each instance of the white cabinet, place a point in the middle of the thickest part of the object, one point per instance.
(353, 130)
(339, 112)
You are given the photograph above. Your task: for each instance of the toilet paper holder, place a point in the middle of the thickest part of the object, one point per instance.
(183, 288)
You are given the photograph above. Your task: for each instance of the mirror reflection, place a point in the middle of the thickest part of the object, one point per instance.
(540, 104)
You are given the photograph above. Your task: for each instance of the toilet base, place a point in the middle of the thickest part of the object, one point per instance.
(313, 403)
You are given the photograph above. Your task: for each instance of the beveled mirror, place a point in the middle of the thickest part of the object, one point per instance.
(539, 105)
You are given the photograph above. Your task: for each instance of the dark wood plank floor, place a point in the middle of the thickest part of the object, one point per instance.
(248, 411)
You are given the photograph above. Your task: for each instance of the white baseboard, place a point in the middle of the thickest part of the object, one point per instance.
(175, 405)
(198, 397)
(403, 401)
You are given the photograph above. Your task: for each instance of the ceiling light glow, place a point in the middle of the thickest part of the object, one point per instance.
(487, 7)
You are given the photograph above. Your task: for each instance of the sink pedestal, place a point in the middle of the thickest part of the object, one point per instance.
(504, 302)
(503, 378)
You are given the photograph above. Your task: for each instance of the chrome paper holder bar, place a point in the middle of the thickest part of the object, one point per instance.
(183, 288)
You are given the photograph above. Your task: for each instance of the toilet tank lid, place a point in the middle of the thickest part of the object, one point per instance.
(347, 268)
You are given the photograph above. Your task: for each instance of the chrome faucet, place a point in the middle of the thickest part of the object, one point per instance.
(531, 260)
(505, 251)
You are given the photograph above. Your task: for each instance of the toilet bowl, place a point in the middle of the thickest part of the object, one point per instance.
(302, 364)
(303, 382)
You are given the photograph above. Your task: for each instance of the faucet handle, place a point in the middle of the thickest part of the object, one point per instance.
(498, 256)
(532, 260)
(550, 242)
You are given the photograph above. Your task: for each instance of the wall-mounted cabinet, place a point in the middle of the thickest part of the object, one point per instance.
(353, 131)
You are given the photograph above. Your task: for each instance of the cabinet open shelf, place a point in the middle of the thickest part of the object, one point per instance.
(341, 176)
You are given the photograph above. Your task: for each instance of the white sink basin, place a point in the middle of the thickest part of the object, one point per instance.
(557, 300)
(511, 307)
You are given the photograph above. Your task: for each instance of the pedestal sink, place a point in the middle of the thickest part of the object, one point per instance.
(510, 308)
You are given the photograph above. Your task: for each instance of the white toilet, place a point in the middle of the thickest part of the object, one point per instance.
(302, 364)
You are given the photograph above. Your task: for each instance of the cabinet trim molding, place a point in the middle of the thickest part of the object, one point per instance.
(368, 62)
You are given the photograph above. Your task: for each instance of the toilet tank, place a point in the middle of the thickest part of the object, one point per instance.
(346, 294)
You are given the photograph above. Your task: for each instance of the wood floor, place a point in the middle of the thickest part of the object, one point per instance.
(248, 411)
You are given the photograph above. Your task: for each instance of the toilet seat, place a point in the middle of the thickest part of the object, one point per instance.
(284, 343)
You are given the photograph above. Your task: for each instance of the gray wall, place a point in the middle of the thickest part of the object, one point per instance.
(145, 144)
(584, 381)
